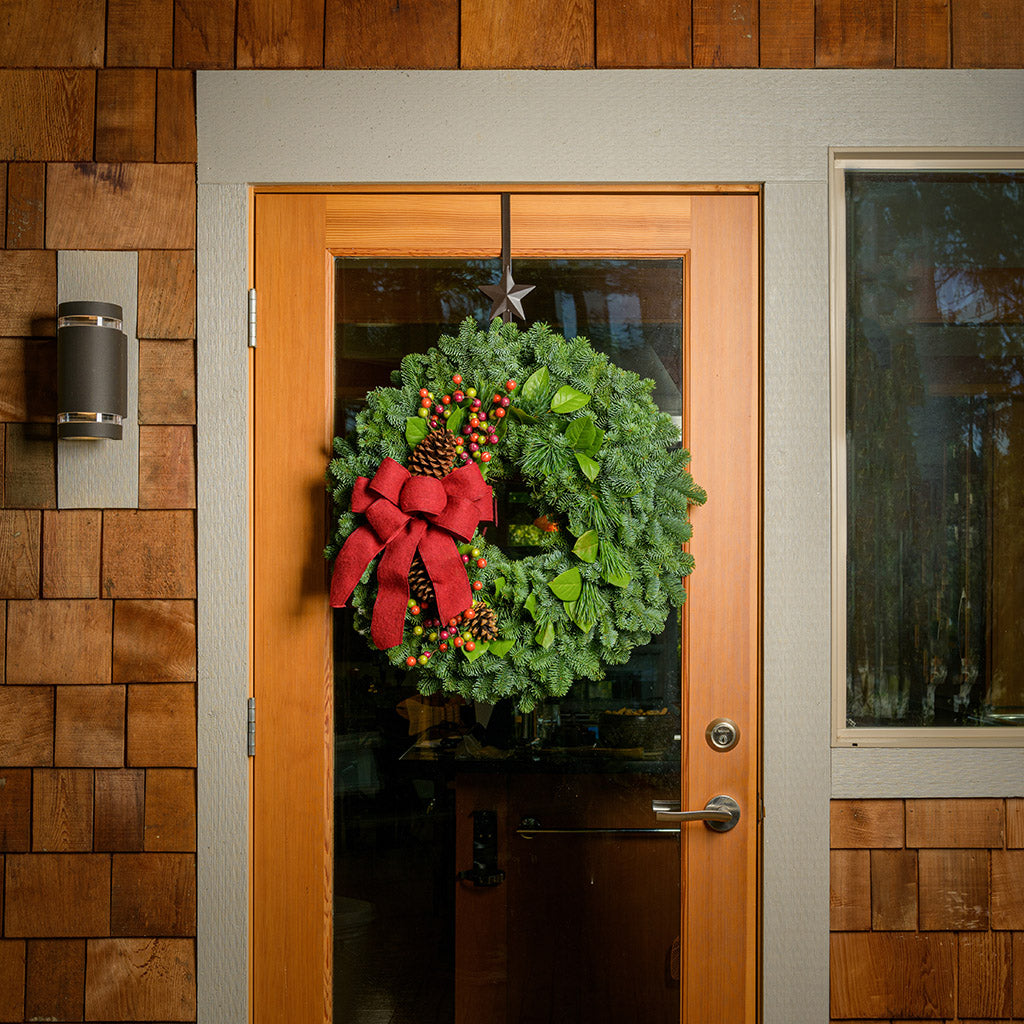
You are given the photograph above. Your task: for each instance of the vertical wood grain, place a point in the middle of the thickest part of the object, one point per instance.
(38, 650)
(148, 554)
(62, 810)
(291, 625)
(411, 34)
(988, 34)
(167, 381)
(1018, 975)
(866, 823)
(19, 553)
(850, 890)
(28, 294)
(922, 34)
(36, 33)
(12, 979)
(1007, 891)
(167, 467)
(175, 116)
(63, 100)
(786, 33)
(1015, 823)
(120, 801)
(15, 809)
(57, 895)
(140, 979)
(89, 730)
(154, 641)
(644, 34)
(120, 206)
(204, 33)
(153, 894)
(855, 34)
(170, 823)
(55, 979)
(3, 204)
(26, 726)
(725, 35)
(26, 204)
(954, 889)
(162, 725)
(30, 466)
(723, 415)
(167, 294)
(125, 114)
(893, 890)
(28, 380)
(527, 33)
(71, 553)
(140, 33)
(959, 823)
(985, 981)
(280, 34)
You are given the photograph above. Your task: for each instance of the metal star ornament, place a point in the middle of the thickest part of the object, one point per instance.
(507, 296)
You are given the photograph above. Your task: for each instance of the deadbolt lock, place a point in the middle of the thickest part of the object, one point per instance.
(722, 734)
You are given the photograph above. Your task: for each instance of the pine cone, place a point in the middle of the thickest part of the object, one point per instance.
(434, 455)
(484, 624)
(419, 582)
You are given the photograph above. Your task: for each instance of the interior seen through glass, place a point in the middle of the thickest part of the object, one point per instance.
(935, 449)
(578, 927)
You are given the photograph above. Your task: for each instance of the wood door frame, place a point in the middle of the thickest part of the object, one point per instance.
(732, 374)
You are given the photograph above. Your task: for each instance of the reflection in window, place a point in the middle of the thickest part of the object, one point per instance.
(935, 448)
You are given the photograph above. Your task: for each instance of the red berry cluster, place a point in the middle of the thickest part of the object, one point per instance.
(481, 427)
(452, 634)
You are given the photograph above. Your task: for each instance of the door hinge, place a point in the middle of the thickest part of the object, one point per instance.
(251, 728)
(252, 318)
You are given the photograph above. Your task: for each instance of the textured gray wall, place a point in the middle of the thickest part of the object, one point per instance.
(627, 126)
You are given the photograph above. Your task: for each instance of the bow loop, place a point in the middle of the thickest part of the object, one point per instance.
(408, 514)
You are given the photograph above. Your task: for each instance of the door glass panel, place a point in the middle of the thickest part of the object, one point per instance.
(560, 926)
(935, 448)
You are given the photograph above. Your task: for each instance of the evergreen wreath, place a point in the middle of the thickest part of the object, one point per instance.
(608, 488)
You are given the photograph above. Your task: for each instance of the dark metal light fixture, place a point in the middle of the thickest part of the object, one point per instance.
(92, 370)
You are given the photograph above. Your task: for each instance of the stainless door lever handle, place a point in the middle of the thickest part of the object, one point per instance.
(720, 813)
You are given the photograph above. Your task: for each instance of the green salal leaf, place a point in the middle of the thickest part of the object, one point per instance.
(591, 467)
(499, 586)
(416, 429)
(482, 647)
(546, 636)
(568, 399)
(586, 547)
(535, 386)
(595, 444)
(455, 420)
(530, 606)
(580, 433)
(499, 648)
(519, 414)
(567, 586)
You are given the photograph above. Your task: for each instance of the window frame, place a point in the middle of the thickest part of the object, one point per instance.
(842, 160)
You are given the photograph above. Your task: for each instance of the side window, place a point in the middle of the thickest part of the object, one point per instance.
(928, 407)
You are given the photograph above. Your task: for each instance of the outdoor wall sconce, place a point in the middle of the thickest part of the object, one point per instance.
(92, 371)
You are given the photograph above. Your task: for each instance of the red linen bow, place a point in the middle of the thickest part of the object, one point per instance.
(406, 514)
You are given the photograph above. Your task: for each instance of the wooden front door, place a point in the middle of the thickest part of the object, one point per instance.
(297, 237)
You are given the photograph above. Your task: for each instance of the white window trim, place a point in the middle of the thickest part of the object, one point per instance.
(896, 159)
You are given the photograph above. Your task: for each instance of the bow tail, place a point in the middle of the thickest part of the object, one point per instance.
(388, 622)
(447, 574)
(361, 547)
